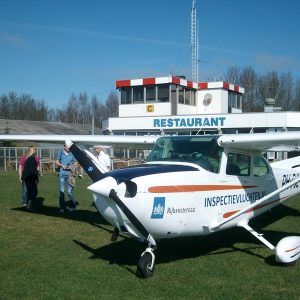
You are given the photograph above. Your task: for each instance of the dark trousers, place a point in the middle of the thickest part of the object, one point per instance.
(31, 185)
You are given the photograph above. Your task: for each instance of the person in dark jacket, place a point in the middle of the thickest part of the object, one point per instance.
(30, 177)
(30, 151)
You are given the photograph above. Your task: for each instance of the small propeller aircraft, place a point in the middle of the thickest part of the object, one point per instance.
(190, 185)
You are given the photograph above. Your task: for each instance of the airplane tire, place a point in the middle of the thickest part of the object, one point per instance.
(143, 266)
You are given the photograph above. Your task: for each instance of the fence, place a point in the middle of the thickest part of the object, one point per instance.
(9, 159)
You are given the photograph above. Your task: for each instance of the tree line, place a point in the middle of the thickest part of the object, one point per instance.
(78, 109)
(81, 109)
(282, 87)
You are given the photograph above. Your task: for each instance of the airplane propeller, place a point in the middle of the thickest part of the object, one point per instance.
(132, 218)
(105, 185)
(86, 163)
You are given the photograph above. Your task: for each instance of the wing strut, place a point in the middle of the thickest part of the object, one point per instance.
(262, 200)
(244, 224)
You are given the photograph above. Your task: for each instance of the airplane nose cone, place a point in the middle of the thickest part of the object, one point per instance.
(104, 186)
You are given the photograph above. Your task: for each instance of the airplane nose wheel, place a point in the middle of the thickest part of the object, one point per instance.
(146, 264)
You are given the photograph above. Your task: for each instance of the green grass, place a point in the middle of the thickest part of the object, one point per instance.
(45, 255)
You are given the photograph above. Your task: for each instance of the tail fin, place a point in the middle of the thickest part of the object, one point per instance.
(86, 162)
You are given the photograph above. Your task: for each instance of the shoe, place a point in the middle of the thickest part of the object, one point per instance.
(29, 206)
(61, 211)
(24, 205)
(71, 209)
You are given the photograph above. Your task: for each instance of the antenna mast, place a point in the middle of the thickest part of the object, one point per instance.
(194, 42)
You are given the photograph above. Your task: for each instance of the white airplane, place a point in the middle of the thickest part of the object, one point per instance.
(191, 185)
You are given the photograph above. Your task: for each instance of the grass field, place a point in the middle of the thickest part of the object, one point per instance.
(45, 255)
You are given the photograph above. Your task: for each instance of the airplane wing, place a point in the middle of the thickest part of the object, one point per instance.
(117, 141)
(278, 141)
(269, 141)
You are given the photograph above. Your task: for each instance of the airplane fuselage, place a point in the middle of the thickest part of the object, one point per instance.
(183, 199)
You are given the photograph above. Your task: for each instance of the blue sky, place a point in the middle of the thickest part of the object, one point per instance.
(51, 49)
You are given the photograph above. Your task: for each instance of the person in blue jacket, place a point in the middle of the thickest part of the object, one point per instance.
(64, 161)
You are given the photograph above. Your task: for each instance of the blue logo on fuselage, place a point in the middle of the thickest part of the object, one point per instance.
(158, 208)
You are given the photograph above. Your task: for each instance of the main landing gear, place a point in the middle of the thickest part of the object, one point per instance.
(146, 264)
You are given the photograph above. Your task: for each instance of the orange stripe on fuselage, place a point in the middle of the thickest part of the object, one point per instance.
(195, 188)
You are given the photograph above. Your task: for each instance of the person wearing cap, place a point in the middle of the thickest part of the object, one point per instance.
(64, 161)
(102, 157)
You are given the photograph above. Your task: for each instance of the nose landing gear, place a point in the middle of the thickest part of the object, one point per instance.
(146, 264)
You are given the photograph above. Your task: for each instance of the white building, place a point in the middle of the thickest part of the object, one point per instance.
(173, 105)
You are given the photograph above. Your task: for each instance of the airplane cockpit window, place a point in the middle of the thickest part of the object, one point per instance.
(260, 167)
(238, 164)
(201, 150)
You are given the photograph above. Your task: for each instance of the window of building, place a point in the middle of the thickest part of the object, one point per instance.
(150, 93)
(234, 101)
(126, 95)
(138, 94)
(180, 94)
(187, 96)
(238, 164)
(163, 92)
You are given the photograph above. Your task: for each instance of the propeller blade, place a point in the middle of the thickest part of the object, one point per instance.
(132, 218)
(85, 161)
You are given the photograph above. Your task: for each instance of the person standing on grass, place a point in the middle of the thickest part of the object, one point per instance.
(64, 161)
(102, 157)
(29, 176)
(22, 160)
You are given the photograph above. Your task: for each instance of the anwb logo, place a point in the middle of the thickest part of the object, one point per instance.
(158, 208)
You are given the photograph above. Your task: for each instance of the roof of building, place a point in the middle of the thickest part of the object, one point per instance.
(40, 127)
(179, 81)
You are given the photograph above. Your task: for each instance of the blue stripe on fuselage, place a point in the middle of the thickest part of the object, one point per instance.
(145, 169)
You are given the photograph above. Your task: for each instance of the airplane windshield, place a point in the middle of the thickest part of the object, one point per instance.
(201, 150)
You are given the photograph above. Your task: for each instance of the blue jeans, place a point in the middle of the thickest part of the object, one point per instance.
(24, 194)
(63, 184)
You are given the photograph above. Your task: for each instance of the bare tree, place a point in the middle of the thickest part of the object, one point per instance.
(297, 96)
(248, 80)
(233, 75)
(269, 86)
(72, 113)
(4, 107)
(84, 109)
(112, 105)
(285, 97)
(96, 111)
